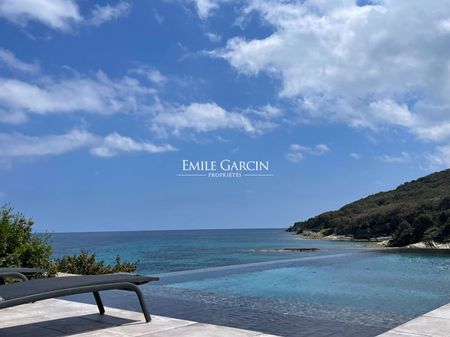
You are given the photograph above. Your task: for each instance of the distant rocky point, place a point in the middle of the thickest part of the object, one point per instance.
(415, 214)
(283, 250)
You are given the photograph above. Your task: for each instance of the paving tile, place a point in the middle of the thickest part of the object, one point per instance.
(203, 330)
(8, 318)
(52, 308)
(394, 333)
(428, 326)
(442, 312)
(59, 315)
(99, 333)
(157, 324)
(73, 325)
(60, 318)
(28, 331)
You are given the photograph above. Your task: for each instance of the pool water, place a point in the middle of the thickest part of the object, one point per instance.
(405, 283)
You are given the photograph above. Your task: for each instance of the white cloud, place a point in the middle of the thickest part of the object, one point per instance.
(91, 93)
(12, 117)
(102, 14)
(151, 74)
(402, 158)
(320, 149)
(158, 17)
(440, 158)
(213, 37)
(267, 111)
(97, 94)
(114, 144)
(355, 155)
(376, 66)
(202, 117)
(58, 14)
(8, 59)
(18, 146)
(298, 152)
(206, 7)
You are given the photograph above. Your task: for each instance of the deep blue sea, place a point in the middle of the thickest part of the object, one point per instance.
(345, 279)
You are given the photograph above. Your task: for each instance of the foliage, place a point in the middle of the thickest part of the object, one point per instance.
(415, 211)
(19, 247)
(87, 264)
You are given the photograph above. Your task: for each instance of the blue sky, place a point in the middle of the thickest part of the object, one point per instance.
(100, 101)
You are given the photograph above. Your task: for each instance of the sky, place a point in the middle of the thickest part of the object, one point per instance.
(101, 101)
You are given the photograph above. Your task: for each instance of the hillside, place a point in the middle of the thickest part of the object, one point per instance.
(416, 211)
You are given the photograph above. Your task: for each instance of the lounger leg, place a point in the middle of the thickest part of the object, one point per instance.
(98, 300)
(142, 303)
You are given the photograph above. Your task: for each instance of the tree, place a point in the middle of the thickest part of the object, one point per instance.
(19, 247)
(402, 235)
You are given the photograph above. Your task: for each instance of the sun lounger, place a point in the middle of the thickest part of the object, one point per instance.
(18, 273)
(40, 289)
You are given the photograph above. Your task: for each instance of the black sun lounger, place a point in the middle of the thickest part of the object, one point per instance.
(40, 289)
(18, 273)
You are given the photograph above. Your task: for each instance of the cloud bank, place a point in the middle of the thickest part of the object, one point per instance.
(374, 66)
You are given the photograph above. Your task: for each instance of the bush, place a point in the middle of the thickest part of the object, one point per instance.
(19, 247)
(87, 264)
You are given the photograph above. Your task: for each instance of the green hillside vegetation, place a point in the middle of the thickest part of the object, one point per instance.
(417, 211)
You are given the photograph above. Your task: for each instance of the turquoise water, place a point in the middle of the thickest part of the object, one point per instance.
(167, 251)
(347, 277)
(403, 283)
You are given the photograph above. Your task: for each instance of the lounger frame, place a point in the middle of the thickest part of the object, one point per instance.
(95, 289)
(18, 273)
(12, 274)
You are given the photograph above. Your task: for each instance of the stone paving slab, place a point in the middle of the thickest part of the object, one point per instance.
(435, 323)
(58, 318)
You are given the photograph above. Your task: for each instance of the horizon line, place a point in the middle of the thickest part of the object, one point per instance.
(154, 230)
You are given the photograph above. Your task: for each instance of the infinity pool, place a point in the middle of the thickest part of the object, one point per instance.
(243, 278)
(407, 283)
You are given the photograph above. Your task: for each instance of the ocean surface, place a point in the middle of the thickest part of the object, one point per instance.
(358, 285)
(168, 251)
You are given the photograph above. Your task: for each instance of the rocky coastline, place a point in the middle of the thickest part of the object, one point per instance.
(416, 214)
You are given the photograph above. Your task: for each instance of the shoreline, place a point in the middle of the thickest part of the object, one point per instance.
(381, 241)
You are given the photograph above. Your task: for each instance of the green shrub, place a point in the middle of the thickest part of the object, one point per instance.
(19, 247)
(87, 264)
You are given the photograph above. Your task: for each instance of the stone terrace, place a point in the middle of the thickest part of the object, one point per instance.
(58, 318)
